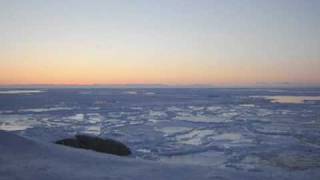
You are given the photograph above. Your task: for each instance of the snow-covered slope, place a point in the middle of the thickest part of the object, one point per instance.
(22, 158)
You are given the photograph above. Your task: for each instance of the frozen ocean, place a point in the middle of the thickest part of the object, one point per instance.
(244, 129)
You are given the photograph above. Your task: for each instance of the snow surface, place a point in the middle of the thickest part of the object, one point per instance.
(27, 159)
(226, 130)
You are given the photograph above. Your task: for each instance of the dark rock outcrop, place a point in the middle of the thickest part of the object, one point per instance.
(108, 146)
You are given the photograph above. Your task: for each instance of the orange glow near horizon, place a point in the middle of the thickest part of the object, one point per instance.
(199, 42)
(114, 73)
(85, 68)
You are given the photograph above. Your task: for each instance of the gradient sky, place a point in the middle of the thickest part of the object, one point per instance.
(218, 42)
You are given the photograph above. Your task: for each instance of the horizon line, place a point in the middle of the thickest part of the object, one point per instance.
(159, 85)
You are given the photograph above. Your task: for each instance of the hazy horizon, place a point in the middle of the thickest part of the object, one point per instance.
(156, 86)
(175, 43)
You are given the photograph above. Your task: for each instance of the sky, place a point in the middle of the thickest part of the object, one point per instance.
(175, 42)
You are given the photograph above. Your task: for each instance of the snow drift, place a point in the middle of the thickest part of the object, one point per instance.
(27, 159)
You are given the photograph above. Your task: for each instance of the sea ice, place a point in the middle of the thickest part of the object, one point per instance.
(225, 117)
(38, 110)
(131, 92)
(168, 131)
(227, 137)
(194, 137)
(92, 129)
(77, 117)
(17, 122)
(21, 91)
(290, 99)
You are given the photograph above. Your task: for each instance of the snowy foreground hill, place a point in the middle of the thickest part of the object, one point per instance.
(22, 158)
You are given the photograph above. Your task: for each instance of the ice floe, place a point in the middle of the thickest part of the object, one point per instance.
(20, 91)
(214, 108)
(224, 117)
(131, 92)
(92, 129)
(157, 113)
(169, 131)
(228, 137)
(290, 99)
(150, 93)
(38, 110)
(17, 122)
(174, 108)
(194, 137)
(76, 117)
